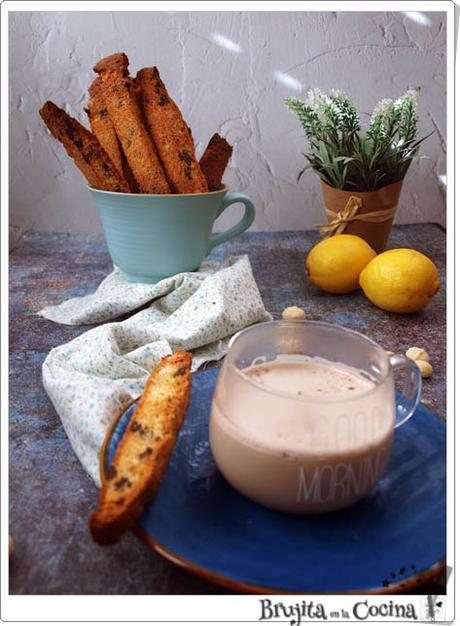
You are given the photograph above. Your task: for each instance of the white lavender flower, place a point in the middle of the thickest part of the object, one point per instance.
(405, 104)
(323, 107)
(409, 98)
(336, 94)
(315, 99)
(381, 119)
(382, 110)
(307, 116)
(405, 113)
(412, 95)
(328, 113)
(347, 116)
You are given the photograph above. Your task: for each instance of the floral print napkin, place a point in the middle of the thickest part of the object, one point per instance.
(96, 376)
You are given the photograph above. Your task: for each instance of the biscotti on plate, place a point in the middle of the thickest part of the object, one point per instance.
(144, 451)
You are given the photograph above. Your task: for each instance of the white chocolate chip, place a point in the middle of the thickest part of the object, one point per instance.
(426, 369)
(293, 313)
(389, 352)
(417, 354)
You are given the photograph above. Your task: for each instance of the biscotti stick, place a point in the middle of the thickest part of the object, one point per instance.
(143, 454)
(84, 148)
(101, 124)
(102, 127)
(170, 133)
(214, 161)
(127, 120)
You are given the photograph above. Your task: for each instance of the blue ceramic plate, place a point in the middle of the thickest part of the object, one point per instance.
(392, 540)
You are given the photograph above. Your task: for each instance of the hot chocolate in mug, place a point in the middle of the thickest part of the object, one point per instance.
(303, 414)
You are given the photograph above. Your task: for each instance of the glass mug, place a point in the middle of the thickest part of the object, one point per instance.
(299, 453)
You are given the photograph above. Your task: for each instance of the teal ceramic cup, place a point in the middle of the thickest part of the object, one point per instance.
(151, 237)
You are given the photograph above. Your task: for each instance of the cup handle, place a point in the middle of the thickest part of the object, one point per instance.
(412, 388)
(245, 222)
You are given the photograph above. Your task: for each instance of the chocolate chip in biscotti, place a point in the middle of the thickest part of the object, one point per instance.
(181, 372)
(122, 483)
(147, 452)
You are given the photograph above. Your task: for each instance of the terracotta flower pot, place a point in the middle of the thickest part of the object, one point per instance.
(368, 214)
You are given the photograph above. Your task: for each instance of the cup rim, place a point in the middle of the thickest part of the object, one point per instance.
(124, 194)
(310, 399)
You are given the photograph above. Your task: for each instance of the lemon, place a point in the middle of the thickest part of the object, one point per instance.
(400, 281)
(335, 264)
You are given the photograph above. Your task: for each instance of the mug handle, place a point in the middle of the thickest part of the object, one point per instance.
(249, 213)
(408, 401)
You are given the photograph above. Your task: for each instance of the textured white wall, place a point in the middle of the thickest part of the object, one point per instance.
(229, 85)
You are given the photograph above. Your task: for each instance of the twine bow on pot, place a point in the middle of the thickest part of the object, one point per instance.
(339, 221)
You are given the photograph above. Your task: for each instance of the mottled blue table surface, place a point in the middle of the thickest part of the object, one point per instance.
(50, 495)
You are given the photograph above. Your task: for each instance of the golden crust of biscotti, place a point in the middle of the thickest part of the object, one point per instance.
(127, 119)
(144, 451)
(117, 62)
(170, 133)
(214, 161)
(84, 148)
